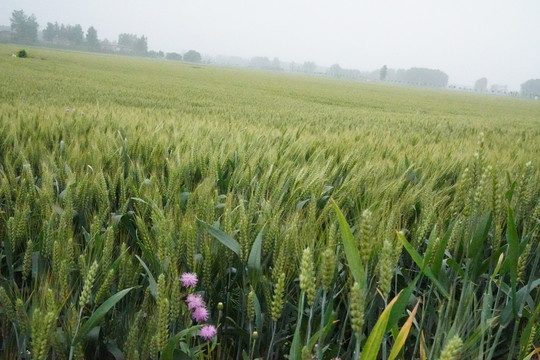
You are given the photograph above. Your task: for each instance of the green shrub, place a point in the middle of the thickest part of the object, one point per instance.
(22, 54)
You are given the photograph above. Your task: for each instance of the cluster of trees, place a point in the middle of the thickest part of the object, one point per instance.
(413, 76)
(192, 56)
(264, 63)
(419, 77)
(70, 35)
(531, 88)
(73, 36)
(481, 85)
(383, 73)
(189, 56)
(24, 29)
(339, 72)
(132, 44)
(308, 67)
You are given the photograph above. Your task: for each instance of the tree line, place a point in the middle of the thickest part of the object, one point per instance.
(25, 30)
(529, 89)
(415, 76)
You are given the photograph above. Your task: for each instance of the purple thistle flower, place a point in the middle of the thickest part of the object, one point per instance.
(188, 279)
(208, 332)
(200, 314)
(67, 110)
(194, 301)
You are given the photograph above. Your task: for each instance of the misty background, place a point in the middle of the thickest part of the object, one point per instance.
(468, 40)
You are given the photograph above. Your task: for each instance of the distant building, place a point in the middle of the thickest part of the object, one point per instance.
(6, 36)
(112, 46)
(499, 89)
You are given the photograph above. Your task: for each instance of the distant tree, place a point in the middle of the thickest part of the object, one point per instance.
(131, 43)
(276, 64)
(531, 88)
(73, 35)
(192, 56)
(141, 46)
(293, 67)
(390, 75)
(351, 74)
(400, 75)
(156, 54)
(62, 32)
(127, 41)
(309, 67)
(51, 32)
(335, 71)
(383, 73)
(25, 27)
(423, 77)
(481, 85)
(173, 56)
(261, 62)
(77, 34)
(92, 40)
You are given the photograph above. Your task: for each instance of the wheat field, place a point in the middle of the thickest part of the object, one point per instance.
(165, 210)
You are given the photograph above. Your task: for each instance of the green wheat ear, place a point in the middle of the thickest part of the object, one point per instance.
(452, 349)
(366, 236)
(84, 298)
(358, 298)
(385, 267)
(7, 305)
(251, 305)
(307, 276)
(327, 268)
(27, 259)
(278, 297)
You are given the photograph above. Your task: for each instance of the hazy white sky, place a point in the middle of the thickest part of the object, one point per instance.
(468, 39)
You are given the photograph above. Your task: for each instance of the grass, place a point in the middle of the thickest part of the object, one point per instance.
(160, 168)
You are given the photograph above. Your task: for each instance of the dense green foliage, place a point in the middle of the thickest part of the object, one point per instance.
(192, 56)
(117, 175)
(25, 27)
(67, 34)
(531, 88)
